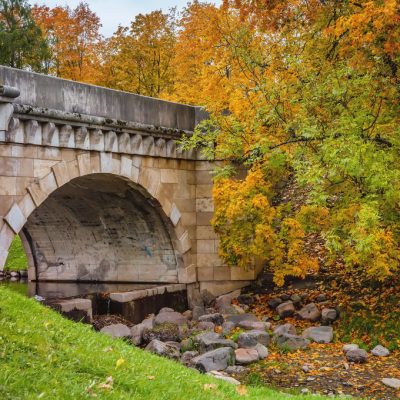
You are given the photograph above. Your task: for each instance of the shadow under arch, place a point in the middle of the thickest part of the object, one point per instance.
(102, 227)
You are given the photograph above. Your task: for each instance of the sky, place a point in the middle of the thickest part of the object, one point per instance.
(118, 12)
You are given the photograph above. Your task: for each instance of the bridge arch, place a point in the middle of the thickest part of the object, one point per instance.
(102, 217)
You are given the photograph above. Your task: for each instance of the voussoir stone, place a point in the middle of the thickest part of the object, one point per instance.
(215, 360)
(251, 338)
(380, 351)
(358, 356)
(117, 331)
(319, 334)
(171, 317)
(291, 342)
(286, 309)
(246, 356)
(215, 318)
(310, 312)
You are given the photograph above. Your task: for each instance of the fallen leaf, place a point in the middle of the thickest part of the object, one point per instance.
(242, 390)
(119, 362)
(209, 386)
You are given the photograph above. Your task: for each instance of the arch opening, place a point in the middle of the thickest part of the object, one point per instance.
(103, 228)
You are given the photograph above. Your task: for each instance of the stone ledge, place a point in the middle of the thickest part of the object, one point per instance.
(125, 297)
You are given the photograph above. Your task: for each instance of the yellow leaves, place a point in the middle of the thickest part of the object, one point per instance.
(209, 386)
(241, 390)
(151, 377)
(120, 362)
(107, 385)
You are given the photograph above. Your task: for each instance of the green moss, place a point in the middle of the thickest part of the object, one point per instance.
(43, 355)
(17, 259)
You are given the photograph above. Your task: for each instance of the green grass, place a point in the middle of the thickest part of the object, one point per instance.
(44, 356)
(16, 260)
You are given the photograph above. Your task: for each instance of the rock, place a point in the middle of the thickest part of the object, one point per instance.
(227, 327)
(305, 368)
(14, 274)
(166, 309)
(215, 360)
(291, 342)
(246, 356)
(310, 312)
(250, 325)
(170, 317)
(328, 315)
(283, 329)
(117, 331)
(358, 356)
(349, 347)
(219, 375)
(285, 297)
(296, 299)
(188, 356)
(321, 298)
(273, 303)
(245, 299)
(177, 345)
(392, 383)
(262, 351)
(188, 314)
(163, 332)
(238, 319)
(223, 304)
(235, 369)
(208, 298)
(215, 318)
(137, 330)
(206, 326)
(23, 273)
(285, 309)
(162, 349)
(380, 351)
(210, 340)
(238, 309)
(319, 334)
(197, 312)
(251, 338)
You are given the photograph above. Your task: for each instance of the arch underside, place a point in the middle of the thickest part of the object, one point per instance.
(102, 228)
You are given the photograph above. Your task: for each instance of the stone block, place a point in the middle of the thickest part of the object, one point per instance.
(204, 191)
(15, 133)
(205, 273)
(171, 148)
(75, 309)
(137, 144)
(48, 184)
(84, 164)
(106, 163)
(169, 176)
(222, 273)
(148, 146)
(239, 274)
(15, 218)
(50, 135)
(8, 186)
(73, 169)
(6, 111)
(205, 205)
(124, 143)
(160, 148)
(61, 173)
(42, 167)
(205, 246)
(37, 194)
(110, 141)
(6, 237)
(208, 260)
(82, 138)
(204, 218)
(150, 180)
(126, 166)
(27, 205)
(67, 137)
(205, 232)
(96, 140)
(175, 215)
(188, 274)
(184, 242)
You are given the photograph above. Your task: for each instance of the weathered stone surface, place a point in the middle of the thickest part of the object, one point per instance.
(250, 325)
(348, 347)
(117, 331)
(162, 349)
(328, 315)
(166, 309)
(77, 309)
(310, 312)
(215, 318)
(393, 383)
(291, 342)
(188, 356)
(137, 330)
(380, 351)
(296, 299)
(206, 326)
(171, 317)
(215, 360)
(210, 340)
(235, 369)
(227, 327)
(251, 338)
(286, 309)
(163, 332)
(284, 329)
(319, 334)
(245, 299)
(223, 304)
(262, 351)
(208, 298)
(273, 303)
(198, 311)
(246, 356)
(358, 356)
(240, 318)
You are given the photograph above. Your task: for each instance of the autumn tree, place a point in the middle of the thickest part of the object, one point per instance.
(75, 41)
(21, 42)
(139, 58)
(312, 98)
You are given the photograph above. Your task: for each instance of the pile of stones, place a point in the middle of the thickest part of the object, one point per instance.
(13, 275)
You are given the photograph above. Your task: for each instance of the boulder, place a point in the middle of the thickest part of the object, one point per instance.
(250, 325)
(246, 356)
(380, 351)
(226, 378)
(245, 299)
(162, 349)
(210, 340)
(296, 299)
(251, 338)
(206, 326)
(349, 347)
(207, 297)
(285, 297)
(358, 356)
(197, 312)
(227, 327)
(163, 332)
(274, 302)
(328, 315)
(117, 331)
(188, 356)
(284, 329)
(262, 351)
(166, 309)
(215, 318)
(291, 342)
(238, 319)
(215, 360)
(310, 312)
(321, 298)
(171, 317)
(392, 383)
(286, 309)
(223, 304)
(137, 330)
(235, 369)
(319, 334)
(188, 314)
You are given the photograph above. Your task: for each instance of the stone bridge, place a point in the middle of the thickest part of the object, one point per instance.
(96, 185)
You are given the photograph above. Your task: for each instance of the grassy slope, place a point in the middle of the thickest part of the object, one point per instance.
(16, 260)
(43, 355)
